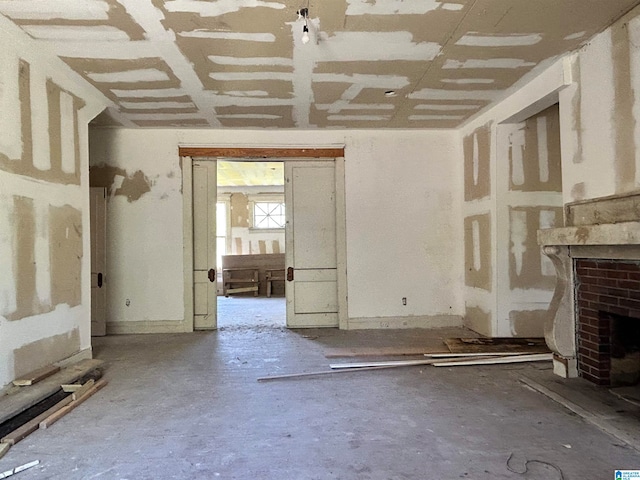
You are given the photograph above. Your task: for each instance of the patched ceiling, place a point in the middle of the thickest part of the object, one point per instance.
(243, 64)
(239, 174)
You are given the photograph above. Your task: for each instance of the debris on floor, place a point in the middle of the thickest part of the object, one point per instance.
(35, 376)
(19, 469)
(497, 344)
(51, 394)
(462, 352)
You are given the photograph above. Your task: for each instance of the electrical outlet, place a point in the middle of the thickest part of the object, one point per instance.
(404, 300)
(127, 302)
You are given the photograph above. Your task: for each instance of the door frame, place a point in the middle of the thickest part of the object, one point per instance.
(263, 154)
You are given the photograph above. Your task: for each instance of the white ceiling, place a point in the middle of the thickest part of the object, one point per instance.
(242, 63)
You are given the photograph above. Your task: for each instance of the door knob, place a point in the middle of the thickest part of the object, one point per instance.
(100, 280)
(289, 274)
(212, 275)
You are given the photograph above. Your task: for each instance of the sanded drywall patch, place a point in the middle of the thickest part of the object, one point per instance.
(534, 154)
(477, 320)
(623, 118)
(477, 157)
(43, 352)
(118, 182)
(576, 107)
(239, 210)
(66, 251)
(477, 251)
(528, 266)
(50, 166)
(528, 323)
(27, 303)
(55, 130)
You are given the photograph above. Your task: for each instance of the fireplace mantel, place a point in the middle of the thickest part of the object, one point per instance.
(624, 233)
(600, 228)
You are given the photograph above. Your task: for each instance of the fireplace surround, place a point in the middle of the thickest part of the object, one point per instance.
(596, 301)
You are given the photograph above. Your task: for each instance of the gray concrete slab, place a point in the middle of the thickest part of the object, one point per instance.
(188, 406)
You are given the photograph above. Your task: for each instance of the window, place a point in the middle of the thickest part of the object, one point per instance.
(268, 215)
(221, 231)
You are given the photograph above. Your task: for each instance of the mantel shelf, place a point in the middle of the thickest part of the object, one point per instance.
(624, 233)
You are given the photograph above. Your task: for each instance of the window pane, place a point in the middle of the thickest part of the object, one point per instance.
(221, 249)
(221, 219)
(268, 215)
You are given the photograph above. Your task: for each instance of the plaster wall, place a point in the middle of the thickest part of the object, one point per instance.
(599, 123)
(44, 219)
(402, 202)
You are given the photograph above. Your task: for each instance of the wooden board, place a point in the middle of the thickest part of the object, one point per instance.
(12, 405)
(389, 351)
(4, 448)
(55, 416)
(497, 345)
(37, 375)
(82, 390)
(456, 362)
(32, 425)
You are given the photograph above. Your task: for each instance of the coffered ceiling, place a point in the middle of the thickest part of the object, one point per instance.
(368, 64)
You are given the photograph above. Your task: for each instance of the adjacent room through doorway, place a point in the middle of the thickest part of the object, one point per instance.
(250, 240)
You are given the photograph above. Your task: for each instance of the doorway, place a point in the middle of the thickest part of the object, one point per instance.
(250, 240)
(309, 301)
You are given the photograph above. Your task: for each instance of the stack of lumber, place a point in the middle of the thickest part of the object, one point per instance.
(42, 397)
(455, 352)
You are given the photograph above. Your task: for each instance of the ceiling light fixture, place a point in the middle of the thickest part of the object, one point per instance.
(304, 13)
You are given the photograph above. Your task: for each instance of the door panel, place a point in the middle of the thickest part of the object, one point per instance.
(204, 244)
(98, 225)
(311, 244)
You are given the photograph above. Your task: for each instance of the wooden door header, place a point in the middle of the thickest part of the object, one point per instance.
(261, 152)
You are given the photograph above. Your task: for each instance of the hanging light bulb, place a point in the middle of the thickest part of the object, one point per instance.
(305, 34)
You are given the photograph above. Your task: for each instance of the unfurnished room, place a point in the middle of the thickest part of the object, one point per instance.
(337, 239)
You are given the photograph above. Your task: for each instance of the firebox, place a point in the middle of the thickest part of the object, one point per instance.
(607, 294)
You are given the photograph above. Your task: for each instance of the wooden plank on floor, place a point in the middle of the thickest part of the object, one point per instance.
(12, 405)
(53, 418)
(399, 363)
(4, 448)
(33, 424)
(37, 375)
(498, 344)
(471, 355)
(461, 362)
(82, 390)
(389, 351)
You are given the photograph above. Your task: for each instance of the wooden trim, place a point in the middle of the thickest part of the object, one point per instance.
(227, 152)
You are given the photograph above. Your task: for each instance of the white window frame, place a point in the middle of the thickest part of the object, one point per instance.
(226, 199)
(263, 198)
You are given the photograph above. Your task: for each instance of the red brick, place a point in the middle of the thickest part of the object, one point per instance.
(630, 284)
(628, 266)
(590, 297)
(608, 300)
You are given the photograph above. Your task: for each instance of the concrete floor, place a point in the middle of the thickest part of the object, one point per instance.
(188, 406)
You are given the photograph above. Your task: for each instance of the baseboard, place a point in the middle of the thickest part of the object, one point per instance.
(424, 321)
(145, 326)
(85, 354)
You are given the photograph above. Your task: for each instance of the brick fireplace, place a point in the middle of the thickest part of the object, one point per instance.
(593, 320)
(607, 294)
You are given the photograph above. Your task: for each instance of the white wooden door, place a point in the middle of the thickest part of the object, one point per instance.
(98, 228)
(311, 259)
(204, 245)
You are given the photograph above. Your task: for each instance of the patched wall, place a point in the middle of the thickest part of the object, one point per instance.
(478, 258)
(44, 298)
(477, 163)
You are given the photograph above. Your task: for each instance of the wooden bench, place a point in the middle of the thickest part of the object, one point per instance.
(273, 275)
(264, 262)
(240, 280)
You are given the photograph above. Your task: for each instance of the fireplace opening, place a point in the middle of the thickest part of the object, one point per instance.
(625, 350)
(608, 321)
